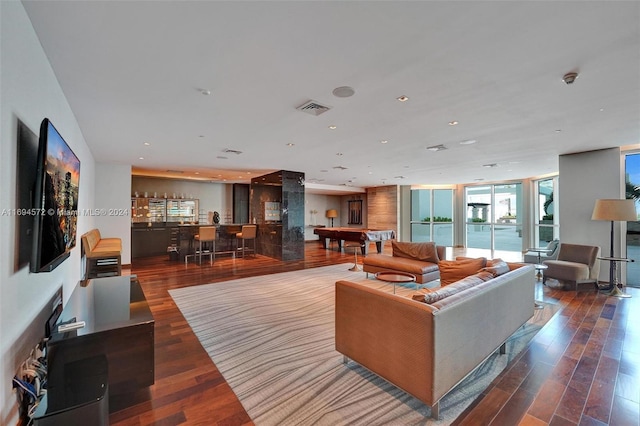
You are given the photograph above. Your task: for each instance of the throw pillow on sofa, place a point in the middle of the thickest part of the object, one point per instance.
(419, 251)
(496, 267)
(455, 270)
(441, 293)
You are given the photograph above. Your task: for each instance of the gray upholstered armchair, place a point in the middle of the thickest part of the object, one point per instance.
(576, 264)
(551, 254)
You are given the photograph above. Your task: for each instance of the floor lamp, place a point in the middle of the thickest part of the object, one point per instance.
(619, 211)
(332, 214)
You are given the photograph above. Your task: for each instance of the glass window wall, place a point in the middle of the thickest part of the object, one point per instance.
(546, 219)
(494, 217)
(432, 216)
(632, 180)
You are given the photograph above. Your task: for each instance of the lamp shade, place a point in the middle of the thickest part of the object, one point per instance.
(332, 213)
(615, 210)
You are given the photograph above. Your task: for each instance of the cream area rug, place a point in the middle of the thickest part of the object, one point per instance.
(272, 338)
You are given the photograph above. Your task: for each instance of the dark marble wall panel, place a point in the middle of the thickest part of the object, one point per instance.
(293, 222)
(284, 238)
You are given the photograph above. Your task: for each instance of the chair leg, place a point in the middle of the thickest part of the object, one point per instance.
(213, 252)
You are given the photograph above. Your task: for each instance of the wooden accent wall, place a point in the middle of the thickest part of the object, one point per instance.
(383, 207)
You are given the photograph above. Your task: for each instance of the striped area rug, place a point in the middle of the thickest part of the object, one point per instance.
(272, 338)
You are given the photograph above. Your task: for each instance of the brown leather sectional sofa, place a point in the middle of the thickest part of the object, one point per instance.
(425, 271)
(426, 349)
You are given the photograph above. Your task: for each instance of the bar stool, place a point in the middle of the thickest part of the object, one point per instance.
(355, 247)
(206, 234)
(248, 233)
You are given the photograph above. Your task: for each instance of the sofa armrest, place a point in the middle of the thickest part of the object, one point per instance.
(388, 334)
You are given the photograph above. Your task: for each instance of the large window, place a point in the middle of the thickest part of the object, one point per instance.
(432, 216)
(632, 169)
(494, 217)
(546, 218)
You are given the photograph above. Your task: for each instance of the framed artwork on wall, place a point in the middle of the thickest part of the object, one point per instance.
(355, 212)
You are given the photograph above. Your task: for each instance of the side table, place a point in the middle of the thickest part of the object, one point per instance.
(396, 278)
(539, 267)
(613, 276)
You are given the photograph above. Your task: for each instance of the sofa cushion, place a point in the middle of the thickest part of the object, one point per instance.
(439, 294)
(455, 270)
(484, 275)
(420, 251)
(496, 267)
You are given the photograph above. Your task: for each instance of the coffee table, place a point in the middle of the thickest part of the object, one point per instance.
(396, 278)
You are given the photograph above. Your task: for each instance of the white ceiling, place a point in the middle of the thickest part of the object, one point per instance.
(133, 72)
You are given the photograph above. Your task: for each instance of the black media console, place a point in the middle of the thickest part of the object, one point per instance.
(114, 341)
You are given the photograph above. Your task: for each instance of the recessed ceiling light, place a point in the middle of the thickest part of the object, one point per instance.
(436, 148)
(333, 127)
(147, 144)
(403, 98)
(338, 154)
(558, 130)
(370, 173)
(384, 141)
(196, 173)
(343, 91)
(453, 123)
(205, 92)
(601, 109)
(248, 173)
(140, 158)
(290, 144)
(468, 142)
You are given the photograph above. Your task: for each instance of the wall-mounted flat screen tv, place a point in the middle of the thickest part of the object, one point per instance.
(55, 204)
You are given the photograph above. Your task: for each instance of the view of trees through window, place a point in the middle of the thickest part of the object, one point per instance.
(632, 179)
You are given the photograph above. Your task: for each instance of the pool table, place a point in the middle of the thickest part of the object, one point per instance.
(360, 235)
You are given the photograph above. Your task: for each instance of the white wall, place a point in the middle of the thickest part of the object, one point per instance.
(583, 178)
(320, 203)
(112, 200)
(29, 91)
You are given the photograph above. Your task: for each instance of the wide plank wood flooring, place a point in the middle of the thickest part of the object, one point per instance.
(581, 369)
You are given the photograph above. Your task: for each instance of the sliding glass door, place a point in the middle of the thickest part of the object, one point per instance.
(494, 217)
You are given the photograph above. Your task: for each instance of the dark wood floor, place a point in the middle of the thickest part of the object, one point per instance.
(581, 369)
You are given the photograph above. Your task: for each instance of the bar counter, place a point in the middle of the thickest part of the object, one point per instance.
(154, 239)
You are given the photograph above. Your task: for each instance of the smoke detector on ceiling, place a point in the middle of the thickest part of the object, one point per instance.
(313, 108)
(570, 77)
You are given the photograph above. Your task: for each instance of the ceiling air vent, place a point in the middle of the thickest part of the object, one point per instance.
(340, 168)
(313, 108)
(232, 151)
